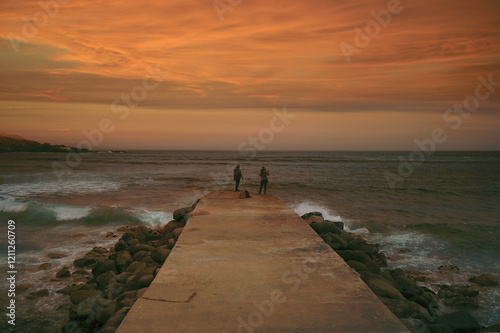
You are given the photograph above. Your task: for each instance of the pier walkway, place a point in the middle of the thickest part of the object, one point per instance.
(253, 265)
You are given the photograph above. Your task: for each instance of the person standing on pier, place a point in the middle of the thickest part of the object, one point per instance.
(263, 179)
(237, 177)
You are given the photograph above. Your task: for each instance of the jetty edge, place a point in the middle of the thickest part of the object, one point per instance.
(245, 265)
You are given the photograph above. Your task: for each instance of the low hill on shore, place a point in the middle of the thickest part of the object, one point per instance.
(16, 143)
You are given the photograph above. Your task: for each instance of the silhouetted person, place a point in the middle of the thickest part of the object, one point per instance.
(263, 179)
(237, 177)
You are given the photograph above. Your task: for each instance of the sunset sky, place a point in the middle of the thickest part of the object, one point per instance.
(196, 74)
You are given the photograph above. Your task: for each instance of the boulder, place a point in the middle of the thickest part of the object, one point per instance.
(145, 281)
(123, 259)
(357, 255)
(383, 288)
(461, 321)
(485, 280)
(334, 241)
(69, 289)
(407, 286)
(357, 266)
(45, 266)
(121, 245)
(160, 254)
(439, 328)
(105, 278)
(313, 217)
(63, 273)
(141, 247)
(115, 320)
(171, 226)
(100, 250)
(80, 295)
(180, 214)
(177, 232)
(103, 315)
(491, 328)
(171, 243)
(462, 302)
(449, 268)
(103, 266)
(414, 325)
(135, 266)
(139, 255)
(467, 291)
(325, 227)
(38, 294)
(56, 255)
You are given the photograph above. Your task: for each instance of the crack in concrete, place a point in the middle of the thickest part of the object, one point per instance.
(169, 301)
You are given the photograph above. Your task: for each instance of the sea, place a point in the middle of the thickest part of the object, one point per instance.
(425, 211)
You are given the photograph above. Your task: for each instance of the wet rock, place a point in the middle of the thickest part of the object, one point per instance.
(414, 325)
(80, 295)
(313, 217)
(122, 277)
(63, 273)
(103, 266)
(139, 255)
(121, 245)
(56, 255)
(325, 227)
(145, 281)
(122, 229)
(467, 291)
(171, 226)
(485, 280)
(103, 315)
(123, 259)
(491, 328)
(69, 289)
(80, 272)
(357, 266)
(461, 321)
(177, 232)
(78, 235)
(356, 255)
(171, 243)
(22, 288)
(109, 234)
(449, 268)
(134, 266)
(405, 250)
(407, 286)
(181, 213)
(45, 266)
(115, 320)
(439, 328)
(141, 247)
(105, 278)
(160, 254)
(38, 294)
(462, 302)
(334, 241)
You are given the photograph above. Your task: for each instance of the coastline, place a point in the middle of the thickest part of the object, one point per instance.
(120, 275)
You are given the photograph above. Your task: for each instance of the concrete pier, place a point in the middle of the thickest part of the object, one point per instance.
(253, 265)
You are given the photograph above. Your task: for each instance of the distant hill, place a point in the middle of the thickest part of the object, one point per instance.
(16, 143)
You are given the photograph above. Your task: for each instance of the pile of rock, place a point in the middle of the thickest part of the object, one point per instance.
(417, 307)
(119, 276)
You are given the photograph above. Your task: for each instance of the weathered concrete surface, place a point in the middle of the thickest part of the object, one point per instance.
(253, 265)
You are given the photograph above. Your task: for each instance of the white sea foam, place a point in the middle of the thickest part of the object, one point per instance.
(154, 218)
(307, 207)
(10, 205)
(70, 212)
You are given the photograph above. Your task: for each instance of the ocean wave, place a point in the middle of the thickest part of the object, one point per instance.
(45, 186)
(10, 205)
(307, 207)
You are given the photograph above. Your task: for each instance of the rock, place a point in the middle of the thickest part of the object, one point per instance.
(171, 243)
(357, 255)
(171, 226)
(115, 320)
(63, 273)
(38, 294)
(446, 291)
(123, 277)
(346, 236)
(55, 255)
(45, 266)
(360, 244)
(373, 266)
(69, 289)
(103, 266)
(384, 289)
(407, 286)
(122, 229)
(103, 315)
(22, 288)
(313, 217)
(334, 241)
(449, 268)
(100, 250)
(181, 213)
(357, 266)
(485, 280)
(84, 262)
(462, 302)
(121, 245)
(139, 255)
(105, 278)
(414, 325)
(141, 247)
(123, 260)
(467, 291)
(405, 250)
(133, 267)
(114, 289)
(325, 227)
(78, 235)
(145, 281)
(80, 295)
(491, 329)
(439, 328)
(125, 298)
(154, 234)
(461, 321)
(160, 254)
(80, 272)
(132, 241)
(110, 234)
(177, 232)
